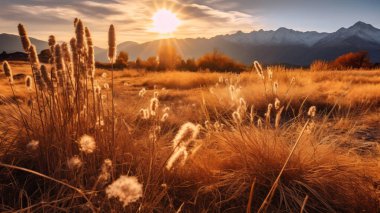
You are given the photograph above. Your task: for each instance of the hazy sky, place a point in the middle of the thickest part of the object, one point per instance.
(199, 18)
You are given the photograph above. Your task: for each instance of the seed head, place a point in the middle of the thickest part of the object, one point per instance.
(87, 144)
(34, 56)
(164, 117)
(88, 37)
(277, 104)
(126, 189)
(74, 163)
(236, 117)
(79, 32)
(312, 111)
(259, 69)
(153, 106)
(8, 71)
(111, 43)
(33, 145)
(24, 37)
(186, 133)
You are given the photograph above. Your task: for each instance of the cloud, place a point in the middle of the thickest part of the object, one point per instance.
(132, 18)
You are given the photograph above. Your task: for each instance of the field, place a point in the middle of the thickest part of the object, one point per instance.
(236, 154)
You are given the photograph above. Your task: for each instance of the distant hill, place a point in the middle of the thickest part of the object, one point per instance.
(283, 45)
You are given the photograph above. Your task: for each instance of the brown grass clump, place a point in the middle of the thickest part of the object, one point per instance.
(267, 140)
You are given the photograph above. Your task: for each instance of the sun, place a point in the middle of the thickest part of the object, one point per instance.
(165, 22)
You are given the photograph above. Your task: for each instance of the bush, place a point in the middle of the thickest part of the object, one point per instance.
(352, 60)
(217, 61)
(320, 65)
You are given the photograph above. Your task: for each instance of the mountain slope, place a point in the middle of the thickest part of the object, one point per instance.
(271, 47)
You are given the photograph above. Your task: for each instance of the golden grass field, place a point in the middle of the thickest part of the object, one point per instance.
(84, 141)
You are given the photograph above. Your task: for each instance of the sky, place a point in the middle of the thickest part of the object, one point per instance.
(199, 18)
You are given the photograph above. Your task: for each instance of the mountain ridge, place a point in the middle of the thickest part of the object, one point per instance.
(272, 47)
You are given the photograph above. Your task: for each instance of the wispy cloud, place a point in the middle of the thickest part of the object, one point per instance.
(131, 17)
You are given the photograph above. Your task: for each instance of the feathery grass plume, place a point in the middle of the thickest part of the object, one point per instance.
(166, 109)
(275, 87)
(186, 133)
(155, 94)
(142, 92)
(79, 33)
(153, 106)
(87, 144)
(232, 90)
(88, 37)
(178, 152)
(51, 43)
(208, 125)
(24, 37)
(111, 43)
(312, 111)
(144, 114)
(33, 56)
(76, 22)
(221, 80)
(236, 117)
(105, 172)
(293, 80)
(217, 126)
(66, 53)
(74, 51)
(45, 75)
(91, 62)
(251, 114)
(104, 75)
(59, 64)
(278, 117)
(270, 73)
(28, 82)
(259, 69)
(33, 145)
(267, 114)
(277, 104)
(106, 86)
(126, 189)
(8, 71)
(259, 123)
(74, 163)
(242, 107)
(164, 117)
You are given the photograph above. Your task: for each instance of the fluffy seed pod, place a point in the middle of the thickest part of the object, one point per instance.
(153, 106)
(91, 62)
(88, 37)
(34, 57)
(79, 32)
(312, 111)
(277, 104)
(111, 44)
(8, 71)
(76, 22)
(59, 64)
(74, 51)
(259, 69)
(24, 37)
(51, 41)
(45, 75)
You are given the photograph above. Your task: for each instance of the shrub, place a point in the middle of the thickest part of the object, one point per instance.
(217, 61)
(352, 60)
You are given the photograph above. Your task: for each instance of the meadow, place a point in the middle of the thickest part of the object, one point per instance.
(76, 138)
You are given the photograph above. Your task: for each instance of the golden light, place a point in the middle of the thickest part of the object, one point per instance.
(165, 22)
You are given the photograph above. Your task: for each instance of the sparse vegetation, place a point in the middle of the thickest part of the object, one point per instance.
(264, 140)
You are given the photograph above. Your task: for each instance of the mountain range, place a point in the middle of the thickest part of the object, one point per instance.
(281, 46)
